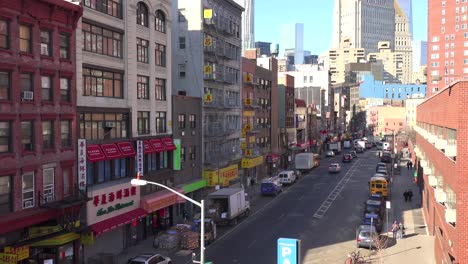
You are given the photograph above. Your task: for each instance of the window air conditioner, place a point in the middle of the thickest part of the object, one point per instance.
(49, 198)
(432, 138)
(423, 163)
(432, 181)
(451, 151)
(451, 215)
(27, 95)
(193, 132)
(441, 143)
(427, 170)
(440, 196)
(28, 204)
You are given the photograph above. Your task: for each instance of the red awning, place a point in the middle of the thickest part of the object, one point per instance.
(158, 146)
(168, 144)
(111, 151)
(272, 157)
(161, 199)
(117, 221)
(147, 146)
(126, 149)
(25, 218)
(95, 153)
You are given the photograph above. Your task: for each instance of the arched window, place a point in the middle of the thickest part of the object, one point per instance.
(142, 14)
(160, 21)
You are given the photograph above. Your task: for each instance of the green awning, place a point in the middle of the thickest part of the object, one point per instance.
(188, 188)
(57, 240)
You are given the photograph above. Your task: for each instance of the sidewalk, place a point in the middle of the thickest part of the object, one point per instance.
(417, 246)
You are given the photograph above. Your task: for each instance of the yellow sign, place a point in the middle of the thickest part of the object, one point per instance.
(226, 175)
(8, 258)
(208, 98)
(20, 252)
(207, 13)
(248, 113)
(248, 77)
(252, 139)
(208, 41)
(87, 238)
(243, 133)
(207, 69)
(250, 163)
(248, 152)
(248, 101)
(243, 144)
(248, 127)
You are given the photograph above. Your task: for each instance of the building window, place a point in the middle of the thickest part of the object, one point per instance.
(109, 7)
(102, 83)
(192, 152)
(160, 21)
(182, 14)
(192, 121)
(182, 154)
(27, 187)
(142, 14)
(160, 55)
(160, 122)
(67, 180)
(25, 38)
(4, 85)
(143, 123)
(64, 43)
(27, 136)
(181, 70)
(65, 133)
(160, 87)
(48, 176)
(142, 87)
(142, 50)
(5, 137)
(48, 134)
(47, 91)
(181, 120)
(102, 41)
(4, 36)
(181, 42)
(5, 194)
(26, 83)
(99, 126)
(65, 89)
(46, 43)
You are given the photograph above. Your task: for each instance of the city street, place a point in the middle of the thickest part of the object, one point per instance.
(305, 211)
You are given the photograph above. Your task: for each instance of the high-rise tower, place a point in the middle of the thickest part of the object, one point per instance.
(248, 29)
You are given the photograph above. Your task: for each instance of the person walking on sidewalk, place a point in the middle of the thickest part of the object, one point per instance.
(395, 229)
(407, 165)
(405, 194)
(401, 230)
(411, 165)
(410, 195)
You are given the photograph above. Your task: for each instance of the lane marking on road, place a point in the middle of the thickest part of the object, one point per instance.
(335, 192)
(251, 244)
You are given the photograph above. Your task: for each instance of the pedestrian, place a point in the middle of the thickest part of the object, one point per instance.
(410, 195)
(405, 194)
(411, 164)
(395, 229)
(401, 230)
(407, 165)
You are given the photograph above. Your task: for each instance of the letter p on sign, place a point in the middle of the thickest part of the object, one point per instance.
(285, 252)
(288, 251)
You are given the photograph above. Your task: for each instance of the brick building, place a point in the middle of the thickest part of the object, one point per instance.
(38, 174)
(441, 137)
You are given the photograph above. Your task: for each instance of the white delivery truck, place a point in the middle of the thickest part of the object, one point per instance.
(306, 161)
(347, 144)
(335, 146)
(360, 143)
(228, 205)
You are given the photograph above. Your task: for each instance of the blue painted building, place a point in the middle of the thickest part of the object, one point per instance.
(370, 88)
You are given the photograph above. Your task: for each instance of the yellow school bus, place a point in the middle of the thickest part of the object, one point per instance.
(379, 185)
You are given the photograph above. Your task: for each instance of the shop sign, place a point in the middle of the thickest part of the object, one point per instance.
(176, 154)
(111, 201)
(140, 157)
(43, 230)
(225, 176)
(207, 13)
(243, 143)
(248, 113)
(111, 208)
(250, 163)
(87, 238)
(248, 101)
(252, 139)
(6, 258)
(20, 252)
(162, 203)
(82, 164)
(248, 152)
(208, 98)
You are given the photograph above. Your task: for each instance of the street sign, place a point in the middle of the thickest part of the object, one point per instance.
(288, 251)
(388, 205)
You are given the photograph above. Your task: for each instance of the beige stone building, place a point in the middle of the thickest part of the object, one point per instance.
(420, 75)
(392, 61)
(411, 105)
(403, 43)
(339, 57)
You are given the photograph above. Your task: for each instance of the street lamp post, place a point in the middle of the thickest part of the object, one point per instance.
(201, 204)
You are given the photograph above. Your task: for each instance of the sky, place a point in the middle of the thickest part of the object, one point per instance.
(317, 17)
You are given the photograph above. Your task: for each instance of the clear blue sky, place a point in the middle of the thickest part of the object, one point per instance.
(317, 17)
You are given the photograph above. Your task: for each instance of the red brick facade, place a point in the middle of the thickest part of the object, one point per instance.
(446, 110)
(57, 17)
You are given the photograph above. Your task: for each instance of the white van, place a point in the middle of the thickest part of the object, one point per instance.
(287, 177)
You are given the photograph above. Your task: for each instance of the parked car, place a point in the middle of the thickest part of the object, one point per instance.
(377, 197)
(330, 153)
(382, 171)
(374, 220)
(386, 157)
(374, 207)
(287, 177)
(368, 145)
(380, 165)
(334, 168)
(271, 186)
(366, 236)
(149, 259)
(353, 153)
(359, 150)
(347, 158)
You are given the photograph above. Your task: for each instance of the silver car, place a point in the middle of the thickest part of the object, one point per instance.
(150, 259)
(366, 236)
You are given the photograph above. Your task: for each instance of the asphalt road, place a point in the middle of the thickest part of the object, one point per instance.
(322, 210)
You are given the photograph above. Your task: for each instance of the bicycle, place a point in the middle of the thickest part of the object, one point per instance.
(355, 258)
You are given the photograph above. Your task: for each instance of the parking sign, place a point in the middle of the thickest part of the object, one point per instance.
(288, 251)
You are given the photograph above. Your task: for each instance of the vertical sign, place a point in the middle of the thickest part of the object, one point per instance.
(140, 149)
(288, 251)
(176, 154)
(82, 164)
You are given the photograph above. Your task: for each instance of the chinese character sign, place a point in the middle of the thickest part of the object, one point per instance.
(140, 149)
(82, 164)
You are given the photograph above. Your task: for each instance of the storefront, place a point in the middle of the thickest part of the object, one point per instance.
(160, 209)
(272, 161)
(115, 219)
(61, 249)
(193, 190)
(252, 169)
(224, 178)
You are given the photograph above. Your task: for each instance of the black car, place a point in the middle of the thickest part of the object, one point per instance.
(386, 157)
(374, 207)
